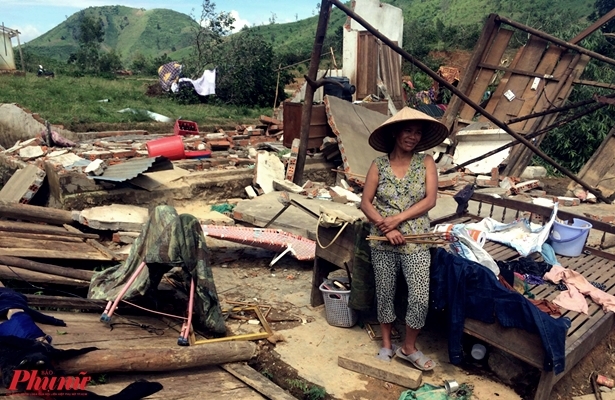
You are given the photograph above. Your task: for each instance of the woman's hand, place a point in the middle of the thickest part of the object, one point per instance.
(395, 237)
(388, 224)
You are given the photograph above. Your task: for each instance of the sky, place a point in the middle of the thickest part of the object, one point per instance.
(35, 17)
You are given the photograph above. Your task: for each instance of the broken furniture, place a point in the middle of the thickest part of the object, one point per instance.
(585, 332)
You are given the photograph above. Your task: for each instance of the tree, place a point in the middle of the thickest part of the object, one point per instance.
(246, 71)
(90, 35)
(212, 27)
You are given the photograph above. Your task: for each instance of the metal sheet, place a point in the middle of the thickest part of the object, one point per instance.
(131, 169)
(352, 124)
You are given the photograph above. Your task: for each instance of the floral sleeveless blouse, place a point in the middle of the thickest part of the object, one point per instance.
(395, 195)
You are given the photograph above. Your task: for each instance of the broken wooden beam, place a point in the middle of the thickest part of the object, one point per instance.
(47, 268)
(35, 213)
(395, 371)
(151, 359)
(257, 381)
(555, 40)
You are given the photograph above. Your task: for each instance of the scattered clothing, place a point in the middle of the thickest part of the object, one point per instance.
(168, 74)
(578, 287)
(533, 280)
(10, 299)
(205, 85)
(525, 266)
(466, 289)
(543, 304)
(432, 392)
(521, 234)
(363, 288)
(21, 325)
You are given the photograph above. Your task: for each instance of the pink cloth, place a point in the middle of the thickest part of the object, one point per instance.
(573, 299)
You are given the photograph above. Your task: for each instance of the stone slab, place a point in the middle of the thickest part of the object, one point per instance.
(268, 167)
(23, 185)
(261, 210)
(116, 217)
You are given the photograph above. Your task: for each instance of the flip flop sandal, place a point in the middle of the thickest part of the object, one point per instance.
(387, 354)
(418, 359)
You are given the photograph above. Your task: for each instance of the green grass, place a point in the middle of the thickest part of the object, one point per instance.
(74, 101)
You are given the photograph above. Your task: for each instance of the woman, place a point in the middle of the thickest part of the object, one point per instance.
(400, 188)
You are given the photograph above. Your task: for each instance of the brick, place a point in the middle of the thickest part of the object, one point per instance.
(537, 193)
(481, 182)
(495, 174)
(220, 144)
(94, 154)
(448, 180)
(525, 186)
(123, 153)
(269, 120)
(568, 201)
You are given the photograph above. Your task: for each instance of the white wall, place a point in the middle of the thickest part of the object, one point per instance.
(389, 21)
(7, 59)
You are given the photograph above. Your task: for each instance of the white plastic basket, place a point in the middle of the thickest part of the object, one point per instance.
(336, 306)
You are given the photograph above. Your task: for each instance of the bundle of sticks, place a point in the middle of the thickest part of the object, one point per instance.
(423, 238)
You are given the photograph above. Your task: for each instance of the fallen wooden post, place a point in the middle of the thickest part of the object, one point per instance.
(20, 274)
(398, 372)
(152, 359)
(35, 213)
(47, 268)
(28, 227)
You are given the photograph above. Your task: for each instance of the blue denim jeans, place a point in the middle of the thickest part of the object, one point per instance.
(465, 289)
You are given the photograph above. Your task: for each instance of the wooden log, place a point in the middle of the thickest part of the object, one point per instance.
(21, 274)
(398, 372)
(18, 247)
(27, 227)
(27, 212)
(160, 359)
(47, 268)
(257, 381)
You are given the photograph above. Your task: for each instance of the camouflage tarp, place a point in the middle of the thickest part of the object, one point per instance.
(166, 241)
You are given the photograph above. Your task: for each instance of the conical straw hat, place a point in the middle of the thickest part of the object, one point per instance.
(434, 132)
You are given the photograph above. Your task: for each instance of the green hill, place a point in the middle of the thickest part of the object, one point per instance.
(432, 24)
(128, 30)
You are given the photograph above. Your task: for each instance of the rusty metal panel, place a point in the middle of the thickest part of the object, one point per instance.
(390, 72)
(484, 77)
(367, 65)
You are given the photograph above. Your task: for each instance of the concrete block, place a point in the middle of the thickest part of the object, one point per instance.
(96, 167)
(482, 182)
(285, 185)
(250, 192)
(116, 217)
(31, 152)
(65, 160)
(534, 172)
(268, 167)
(23, 185)
(351, 197)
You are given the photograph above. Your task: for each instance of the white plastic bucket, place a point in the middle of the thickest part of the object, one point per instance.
(569, 240)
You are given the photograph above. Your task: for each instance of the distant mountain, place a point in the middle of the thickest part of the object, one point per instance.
(154, 32)
(127, 30)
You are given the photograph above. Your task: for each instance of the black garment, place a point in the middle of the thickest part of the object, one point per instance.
(12, 299)
(463, 197)
(525, 265)
(466, 289)
(363, 288)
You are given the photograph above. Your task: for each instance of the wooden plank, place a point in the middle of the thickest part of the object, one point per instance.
(39, 236)
(105, 251)
(600, 166)
(517, 342)
(517, 83)
(488, 34)
(192, 384)
(257, 381)
(47, 268)
(20, 247)
(367, 65)
(28, 227)
(396, 371)
(546, 66)
(494, 56)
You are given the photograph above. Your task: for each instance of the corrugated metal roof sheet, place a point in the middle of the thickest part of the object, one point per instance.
(131, 169)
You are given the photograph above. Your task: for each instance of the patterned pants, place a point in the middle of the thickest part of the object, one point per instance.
(415, 268)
